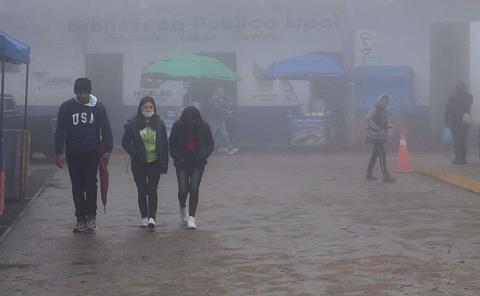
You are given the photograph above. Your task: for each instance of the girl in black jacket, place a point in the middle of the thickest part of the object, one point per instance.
(145, 140)
(191, 143)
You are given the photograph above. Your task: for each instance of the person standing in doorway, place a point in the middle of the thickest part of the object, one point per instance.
(145, 140)
(191, 143)
(377, 135)
(219, 114)
(458, 119)
(82, 124)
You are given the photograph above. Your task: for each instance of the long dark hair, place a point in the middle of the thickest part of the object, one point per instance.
(141, 121)
(191, 114)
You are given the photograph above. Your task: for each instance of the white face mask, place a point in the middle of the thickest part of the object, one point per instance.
(148, 114)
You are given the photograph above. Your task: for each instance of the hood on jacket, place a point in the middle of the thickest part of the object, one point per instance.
(380, 97)
(92, 102)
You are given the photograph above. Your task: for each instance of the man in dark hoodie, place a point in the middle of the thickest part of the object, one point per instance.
(82, 124)
(456, 118)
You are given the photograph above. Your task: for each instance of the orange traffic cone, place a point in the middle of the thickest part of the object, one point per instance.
(403, 160)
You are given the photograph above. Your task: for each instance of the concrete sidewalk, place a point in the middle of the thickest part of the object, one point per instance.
(40, 171)
(439, 166)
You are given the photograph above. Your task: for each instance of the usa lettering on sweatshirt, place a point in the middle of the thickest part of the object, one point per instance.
(80, 127)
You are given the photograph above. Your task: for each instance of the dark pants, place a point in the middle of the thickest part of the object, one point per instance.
(459, 135)
(189, 182)
(83, 167)
(378, 152)
(146, 177)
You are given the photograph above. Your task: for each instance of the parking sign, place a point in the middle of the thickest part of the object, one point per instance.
(365, 43)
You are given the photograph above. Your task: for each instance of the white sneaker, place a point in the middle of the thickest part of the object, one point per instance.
(91, 224)
(183, 215)
(232, 151)
(144, 222)
(191, 223)
(151, 223)
(223, 150)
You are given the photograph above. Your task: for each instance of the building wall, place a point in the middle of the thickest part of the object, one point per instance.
(475, 68)
(403, 37)
(258, 32)
(403, 32)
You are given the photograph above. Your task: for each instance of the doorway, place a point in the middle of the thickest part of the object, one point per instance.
(204, 90)
(449, 63)
(106, 73)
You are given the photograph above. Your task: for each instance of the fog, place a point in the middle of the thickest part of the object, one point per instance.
(332, 132)
(433, 44)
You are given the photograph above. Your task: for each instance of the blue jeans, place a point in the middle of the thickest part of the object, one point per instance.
(189, 179)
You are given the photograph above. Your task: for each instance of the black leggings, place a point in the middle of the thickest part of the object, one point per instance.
(459, 135)
(189, 182)
(378, 152)
(146, 177)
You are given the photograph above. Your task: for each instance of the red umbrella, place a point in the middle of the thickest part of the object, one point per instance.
(103, 172)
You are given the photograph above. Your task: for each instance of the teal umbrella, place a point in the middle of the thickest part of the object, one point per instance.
(190, 66)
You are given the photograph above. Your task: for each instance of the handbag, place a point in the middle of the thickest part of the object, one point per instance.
(467, 119)
(376, 134)
(447, 136)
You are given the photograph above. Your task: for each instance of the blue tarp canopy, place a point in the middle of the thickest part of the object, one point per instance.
(373, 81)
(306, 67)
(15, 51)
(11, 51)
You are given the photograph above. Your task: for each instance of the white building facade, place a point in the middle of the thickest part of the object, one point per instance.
(117, 39)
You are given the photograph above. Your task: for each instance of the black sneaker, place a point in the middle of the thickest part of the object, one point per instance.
(91, 224)
(388, 179)
(81, 226)
(371, 177)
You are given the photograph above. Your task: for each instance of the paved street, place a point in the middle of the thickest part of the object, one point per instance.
(269, 224)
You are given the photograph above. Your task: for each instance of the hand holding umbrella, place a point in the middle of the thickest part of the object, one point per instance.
(105, 158)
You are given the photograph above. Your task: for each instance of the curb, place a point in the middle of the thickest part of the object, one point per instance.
(452, 178)
(29, 204)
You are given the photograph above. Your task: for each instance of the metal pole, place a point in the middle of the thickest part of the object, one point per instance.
(26, 99)
(2, 159)
(2, 148)
(2, 101)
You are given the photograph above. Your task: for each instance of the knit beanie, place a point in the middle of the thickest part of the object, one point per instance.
(82, 84)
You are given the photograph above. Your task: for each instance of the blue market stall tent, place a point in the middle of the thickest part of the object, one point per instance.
(373, 81)
(16, 52)
(306, 67)
(328, 77)
(395, 81)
